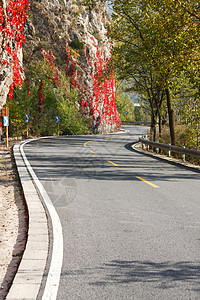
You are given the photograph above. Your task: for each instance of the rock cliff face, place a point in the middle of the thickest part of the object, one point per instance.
(56, 24)
(52, 22)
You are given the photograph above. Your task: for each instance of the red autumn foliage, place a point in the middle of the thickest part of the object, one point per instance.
(11, 27)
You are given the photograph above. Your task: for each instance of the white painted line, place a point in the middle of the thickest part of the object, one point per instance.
(53, 278)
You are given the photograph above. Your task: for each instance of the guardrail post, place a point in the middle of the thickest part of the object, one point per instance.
(142, 143)
(169, 152)
(183, 156)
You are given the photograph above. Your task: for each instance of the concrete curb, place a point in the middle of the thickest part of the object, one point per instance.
(29, 276)
(137, 147)
(119, 132)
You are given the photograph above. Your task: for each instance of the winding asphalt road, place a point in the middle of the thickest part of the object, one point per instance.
(131, 223)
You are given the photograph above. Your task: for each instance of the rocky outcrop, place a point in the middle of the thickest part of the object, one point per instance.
(6, 73)
(54, 24)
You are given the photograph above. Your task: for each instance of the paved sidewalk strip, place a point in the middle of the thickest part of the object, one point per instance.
(28, 279)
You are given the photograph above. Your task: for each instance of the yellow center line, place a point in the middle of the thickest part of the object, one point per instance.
(92, 152)
(155, 186)
(85, 144)
(104, 139)
(112, 163)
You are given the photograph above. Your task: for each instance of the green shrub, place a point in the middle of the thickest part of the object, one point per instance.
(57, 97)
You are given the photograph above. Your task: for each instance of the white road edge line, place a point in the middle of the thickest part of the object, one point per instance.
(53, 278)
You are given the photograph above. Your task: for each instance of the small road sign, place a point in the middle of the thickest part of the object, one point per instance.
(127, 112)
(5, 111)
(5, 121)
(57, 120)
(27, 118)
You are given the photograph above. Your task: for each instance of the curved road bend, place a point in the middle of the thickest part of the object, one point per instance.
(131, 223)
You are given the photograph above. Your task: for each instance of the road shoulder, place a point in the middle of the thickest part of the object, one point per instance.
(28, 278)
(13, 221)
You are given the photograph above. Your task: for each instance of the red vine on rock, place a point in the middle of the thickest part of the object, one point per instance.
(50, 57)
(101, 105)
(12, 22)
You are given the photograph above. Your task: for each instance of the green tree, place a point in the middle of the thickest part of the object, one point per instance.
(125, 107)
(156, 40)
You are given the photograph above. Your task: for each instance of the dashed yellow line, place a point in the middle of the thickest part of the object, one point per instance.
(85, 144)
(114, 164)
(142, 179)
(92, 152)
(111, 162)
(104, 139)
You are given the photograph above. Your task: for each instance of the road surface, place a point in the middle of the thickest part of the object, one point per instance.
(131, 223)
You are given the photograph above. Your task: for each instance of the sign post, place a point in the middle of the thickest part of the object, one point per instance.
(57, 120)
(127, 112)
(6, 122)
(27, 121)
(0, 127)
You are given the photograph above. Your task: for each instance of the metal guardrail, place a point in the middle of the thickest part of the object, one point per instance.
(170, 148)
(136, 123)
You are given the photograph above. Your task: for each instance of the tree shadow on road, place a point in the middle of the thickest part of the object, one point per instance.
(164, 274)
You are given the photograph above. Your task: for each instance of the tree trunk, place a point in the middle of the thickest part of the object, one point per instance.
(153, 128)
(160, 127)
(154, 132)
(171, 117)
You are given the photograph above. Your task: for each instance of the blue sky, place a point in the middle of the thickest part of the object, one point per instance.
(109, 8)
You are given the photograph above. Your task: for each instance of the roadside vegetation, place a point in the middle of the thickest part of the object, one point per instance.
(157, 52)
(43, 99)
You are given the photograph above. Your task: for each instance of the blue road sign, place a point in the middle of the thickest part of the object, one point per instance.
(57, 120)
(127, 112)
(5, 121)
(27, 118)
